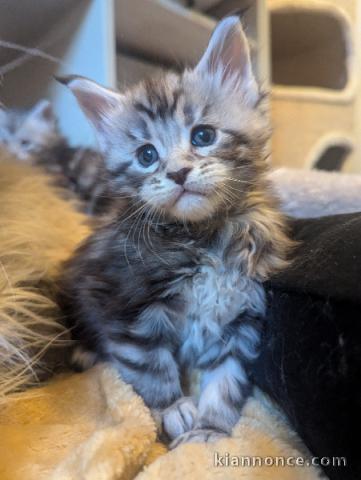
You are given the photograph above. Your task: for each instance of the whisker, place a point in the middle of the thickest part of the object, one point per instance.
(155, 211)
(238, 180)
(221, 195)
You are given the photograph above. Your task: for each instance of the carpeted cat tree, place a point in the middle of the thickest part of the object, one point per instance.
(316, 95)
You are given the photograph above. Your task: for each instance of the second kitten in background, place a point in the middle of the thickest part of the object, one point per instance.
(33, 137)
(25, 133)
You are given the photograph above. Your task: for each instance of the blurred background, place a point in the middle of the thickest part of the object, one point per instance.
(307, 53)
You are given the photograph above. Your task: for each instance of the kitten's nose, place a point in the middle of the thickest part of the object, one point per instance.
(180, 176)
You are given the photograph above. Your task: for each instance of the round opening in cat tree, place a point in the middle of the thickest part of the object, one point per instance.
(333, 158)
(331, 153)
(311, 46)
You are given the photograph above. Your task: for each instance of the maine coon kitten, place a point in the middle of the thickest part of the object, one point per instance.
(173, 280)
(33, 137)
(26, 132)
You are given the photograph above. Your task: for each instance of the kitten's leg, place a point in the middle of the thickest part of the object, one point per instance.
(224, 390)
(152, 372)
(225, 386)
(154, 375)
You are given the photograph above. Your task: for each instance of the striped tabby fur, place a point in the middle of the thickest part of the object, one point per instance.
(172, 280)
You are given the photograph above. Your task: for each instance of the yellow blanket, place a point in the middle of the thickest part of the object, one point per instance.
(92, 426)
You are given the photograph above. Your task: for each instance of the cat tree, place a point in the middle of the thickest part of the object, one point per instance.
(316, 94)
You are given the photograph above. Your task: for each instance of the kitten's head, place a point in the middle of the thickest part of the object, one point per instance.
(26, 133)
(185, 144)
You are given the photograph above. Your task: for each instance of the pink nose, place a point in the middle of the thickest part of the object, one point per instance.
(179, 177)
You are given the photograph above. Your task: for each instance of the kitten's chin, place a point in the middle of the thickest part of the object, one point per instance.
(192, 206)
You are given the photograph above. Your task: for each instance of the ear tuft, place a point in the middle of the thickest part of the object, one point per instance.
(96, 101)
(43, 112)
(65, 79)
(228, 57)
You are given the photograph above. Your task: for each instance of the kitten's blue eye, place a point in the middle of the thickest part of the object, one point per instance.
(203, 135)
(147, 155)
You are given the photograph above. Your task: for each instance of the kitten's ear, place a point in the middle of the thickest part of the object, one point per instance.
(97, 102)
(2, 113)
(42, 112)
(227, 57)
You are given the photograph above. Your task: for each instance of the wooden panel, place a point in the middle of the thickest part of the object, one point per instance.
(162, 30)
(28, 21)
(131, 70)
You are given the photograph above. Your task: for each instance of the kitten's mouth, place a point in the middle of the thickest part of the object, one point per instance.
(190, 204)
(186, 193)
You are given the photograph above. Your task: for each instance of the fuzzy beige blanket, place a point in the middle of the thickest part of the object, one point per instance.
(92, 426)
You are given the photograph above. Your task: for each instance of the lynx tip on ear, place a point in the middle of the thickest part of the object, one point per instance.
(67, 79)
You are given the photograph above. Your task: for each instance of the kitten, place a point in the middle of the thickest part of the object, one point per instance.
(34, 137)
(24, 133)
(172, 281)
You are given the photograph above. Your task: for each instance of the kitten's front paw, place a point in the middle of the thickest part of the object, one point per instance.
(198, 435)
(179, 417)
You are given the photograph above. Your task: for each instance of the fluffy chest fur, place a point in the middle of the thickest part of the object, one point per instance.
(215, 295)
